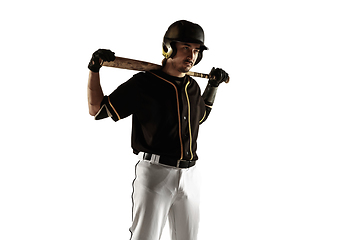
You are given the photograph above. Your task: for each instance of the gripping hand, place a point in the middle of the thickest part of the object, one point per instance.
(98, 57)
(217, 76)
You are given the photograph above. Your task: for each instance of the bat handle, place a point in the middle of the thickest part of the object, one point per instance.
(202, 75)
(196, 74)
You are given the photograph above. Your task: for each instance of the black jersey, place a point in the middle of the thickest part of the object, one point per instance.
(166, 113)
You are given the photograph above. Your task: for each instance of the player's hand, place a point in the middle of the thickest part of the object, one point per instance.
(217, 76)
(98, 57)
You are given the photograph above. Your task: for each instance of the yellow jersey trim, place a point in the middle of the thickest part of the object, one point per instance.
(113, 108)
(203, 117)
(189, 117)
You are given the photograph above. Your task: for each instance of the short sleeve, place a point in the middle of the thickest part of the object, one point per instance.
(125, 99)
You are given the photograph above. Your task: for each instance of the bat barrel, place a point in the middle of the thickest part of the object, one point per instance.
(131, 64)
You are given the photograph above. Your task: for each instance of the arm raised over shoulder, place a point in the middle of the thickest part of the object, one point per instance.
(94, 90)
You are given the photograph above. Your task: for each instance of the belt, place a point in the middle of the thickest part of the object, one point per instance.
(167, 161)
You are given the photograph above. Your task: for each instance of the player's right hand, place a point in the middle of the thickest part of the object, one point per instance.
(98, 57)
(217, 76)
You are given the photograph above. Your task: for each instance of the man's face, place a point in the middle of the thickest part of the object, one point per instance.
(185, 57)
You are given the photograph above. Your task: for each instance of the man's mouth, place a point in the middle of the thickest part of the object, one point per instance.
(188, 62)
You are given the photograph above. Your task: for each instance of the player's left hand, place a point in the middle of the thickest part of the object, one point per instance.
(217, 76)
(98, 57)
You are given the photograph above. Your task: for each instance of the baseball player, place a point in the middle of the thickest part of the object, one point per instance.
(167, 108)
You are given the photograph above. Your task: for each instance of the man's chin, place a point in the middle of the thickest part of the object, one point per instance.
(186, 69)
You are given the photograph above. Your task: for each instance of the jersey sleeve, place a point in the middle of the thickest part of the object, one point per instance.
(206, 114)
(122, 102)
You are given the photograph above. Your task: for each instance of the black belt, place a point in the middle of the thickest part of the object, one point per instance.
(171, 161)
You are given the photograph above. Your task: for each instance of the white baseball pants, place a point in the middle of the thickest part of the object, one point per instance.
(162, 192)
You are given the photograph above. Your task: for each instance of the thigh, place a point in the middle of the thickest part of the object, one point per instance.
(184, 214)
(152, 198)
(184, 220)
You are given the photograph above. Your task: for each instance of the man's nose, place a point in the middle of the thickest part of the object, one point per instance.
(192, 55)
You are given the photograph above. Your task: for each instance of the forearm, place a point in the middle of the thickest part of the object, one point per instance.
(209, 98)
(209, 95)
(216, 76)
(94, 92)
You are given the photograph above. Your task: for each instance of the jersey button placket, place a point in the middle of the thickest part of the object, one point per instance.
(186, 124)
(185, 137)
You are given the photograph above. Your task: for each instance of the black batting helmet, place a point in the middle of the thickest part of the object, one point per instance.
(183, 31)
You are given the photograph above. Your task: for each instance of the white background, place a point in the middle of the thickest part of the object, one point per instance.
(279, 153)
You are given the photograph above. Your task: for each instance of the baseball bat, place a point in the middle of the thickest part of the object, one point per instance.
(131, 64)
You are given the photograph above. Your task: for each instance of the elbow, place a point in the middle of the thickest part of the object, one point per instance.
(93, 109)
(92, 113)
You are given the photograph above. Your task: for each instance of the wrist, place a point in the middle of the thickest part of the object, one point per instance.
(210, 94)
(94, 68)
(213, 83)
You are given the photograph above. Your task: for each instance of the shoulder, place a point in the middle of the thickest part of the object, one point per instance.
(137, 80)
(193, 83)
(143, 77)
(139, 76)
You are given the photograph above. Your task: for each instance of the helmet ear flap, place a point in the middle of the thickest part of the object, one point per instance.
(168, 50)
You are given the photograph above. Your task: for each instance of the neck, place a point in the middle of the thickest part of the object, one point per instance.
(168, 69)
